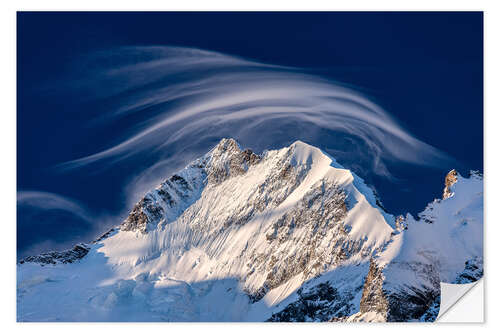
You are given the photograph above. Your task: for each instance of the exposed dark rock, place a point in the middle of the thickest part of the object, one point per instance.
(401, 303)
(259, 294)
(105, 235)
(270, 193)
(166, 197)
(181, 181)
(250, 157)
(170, 195)
(319, 214)
(401, 223)
(473, 271)
(320, 303)
(142, 213)
(374, 298)
(411, 302)
(228, 160)
(431, 314)
(317, 218)
(64, 257)
(450, 179)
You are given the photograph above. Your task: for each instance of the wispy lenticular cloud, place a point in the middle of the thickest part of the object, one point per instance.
(49, 221)
(52, 201)
(185, 98)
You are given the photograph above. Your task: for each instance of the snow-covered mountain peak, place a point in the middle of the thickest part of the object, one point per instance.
(227, 144)
(306, 154)
(300, 153)
(286, 235)
(277, 178)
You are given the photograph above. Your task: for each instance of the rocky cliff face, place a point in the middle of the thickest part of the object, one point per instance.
(374, 298)
(289, 235)
(449, 181)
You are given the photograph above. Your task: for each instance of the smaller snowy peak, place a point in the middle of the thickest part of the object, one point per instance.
(443, 245)
(458, 193)
(450, 227)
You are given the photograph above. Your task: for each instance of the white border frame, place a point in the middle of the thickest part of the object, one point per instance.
(8, 139)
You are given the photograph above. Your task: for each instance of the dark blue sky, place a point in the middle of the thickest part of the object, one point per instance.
(425, 69)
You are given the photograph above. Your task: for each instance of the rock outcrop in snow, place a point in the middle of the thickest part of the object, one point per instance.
(449, 181)
(289, 235)
(63, 257)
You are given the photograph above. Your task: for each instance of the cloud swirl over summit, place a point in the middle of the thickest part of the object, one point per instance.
(183, 100)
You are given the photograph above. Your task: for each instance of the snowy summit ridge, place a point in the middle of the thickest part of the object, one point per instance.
(288, 235)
